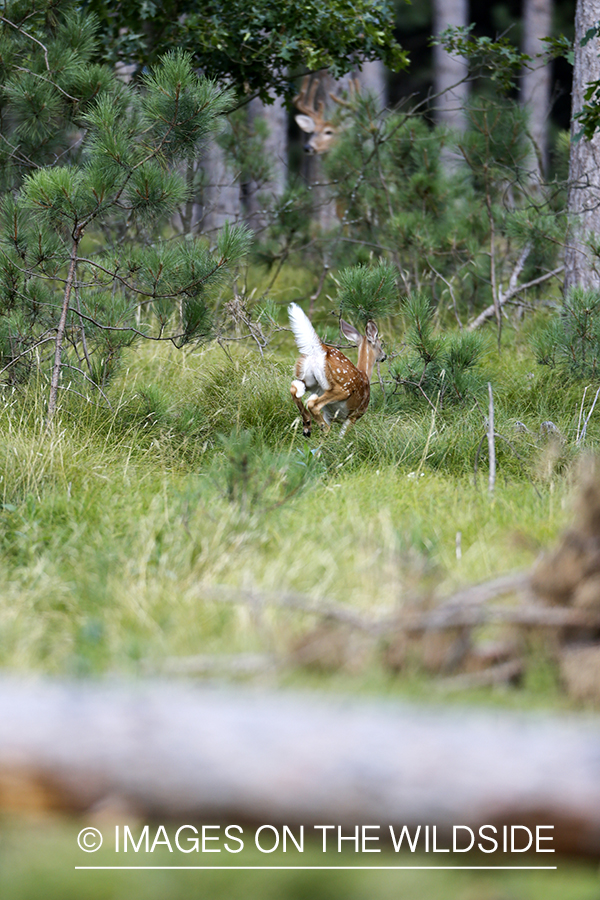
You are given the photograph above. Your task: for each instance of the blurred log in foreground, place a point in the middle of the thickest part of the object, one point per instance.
(170, 752)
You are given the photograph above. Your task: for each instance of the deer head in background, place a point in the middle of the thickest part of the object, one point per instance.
(321, 133)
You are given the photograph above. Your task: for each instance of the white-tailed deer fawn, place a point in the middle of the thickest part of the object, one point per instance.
(340, 390)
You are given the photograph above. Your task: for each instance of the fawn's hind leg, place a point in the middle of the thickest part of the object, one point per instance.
(297, 390)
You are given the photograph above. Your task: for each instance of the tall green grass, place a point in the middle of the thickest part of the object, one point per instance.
(114, 523)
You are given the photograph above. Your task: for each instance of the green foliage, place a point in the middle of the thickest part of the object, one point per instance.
(178, 108)
(367, 292)
(435, 204)
(495, 145)
(390, 182)
(84, 235)
(254, 477)
(499, 59)
(288, 227)
(570, 342)
(441, 368)
(253, 47)
(48, 80)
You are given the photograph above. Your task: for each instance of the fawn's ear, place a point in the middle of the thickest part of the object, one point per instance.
(371, 331)
(350, 332)
(306, 123)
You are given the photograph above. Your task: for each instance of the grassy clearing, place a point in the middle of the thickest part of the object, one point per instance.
(112, 525)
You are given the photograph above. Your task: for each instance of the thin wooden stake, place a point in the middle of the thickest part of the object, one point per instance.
(581, 437)
(491, 443)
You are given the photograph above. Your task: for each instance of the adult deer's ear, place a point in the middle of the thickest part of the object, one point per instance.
(371, 331)
(306, 123)
(350, 332)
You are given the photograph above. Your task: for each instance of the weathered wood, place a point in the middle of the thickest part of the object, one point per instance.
(167, 751)
(501, 674)
(530, 616)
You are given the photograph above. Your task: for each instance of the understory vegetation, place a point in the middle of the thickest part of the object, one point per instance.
(161, 512)
(120, 526)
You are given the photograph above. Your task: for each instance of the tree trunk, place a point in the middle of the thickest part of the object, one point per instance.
(449, 70)
(373, 80)
(536, 81)
(60, 334)
(221, 194)
(581, 264)
(276, 150)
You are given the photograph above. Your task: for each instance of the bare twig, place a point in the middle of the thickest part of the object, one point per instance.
(30, 36)
(91, 381)
(314, 297)
(225, 594)
(15, 359)
(531, 616)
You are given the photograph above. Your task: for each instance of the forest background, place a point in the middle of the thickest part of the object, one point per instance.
(157, 496)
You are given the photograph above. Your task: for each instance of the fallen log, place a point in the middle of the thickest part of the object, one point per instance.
(167, 751)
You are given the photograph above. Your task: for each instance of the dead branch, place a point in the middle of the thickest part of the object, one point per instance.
(224, 594)
(502, 674)
(531, 616)
(474, 594)
(490, 310)
(464, 602)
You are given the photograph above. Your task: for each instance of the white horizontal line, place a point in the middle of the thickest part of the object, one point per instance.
(333, 868)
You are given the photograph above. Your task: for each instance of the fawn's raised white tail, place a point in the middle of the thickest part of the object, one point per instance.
(340, 390)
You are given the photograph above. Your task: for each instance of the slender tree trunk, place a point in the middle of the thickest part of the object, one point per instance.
(536, 81)
(581, 264)
(60, 333)
(373, 80)
(276, 151)
(221, 195)
(450, 70)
